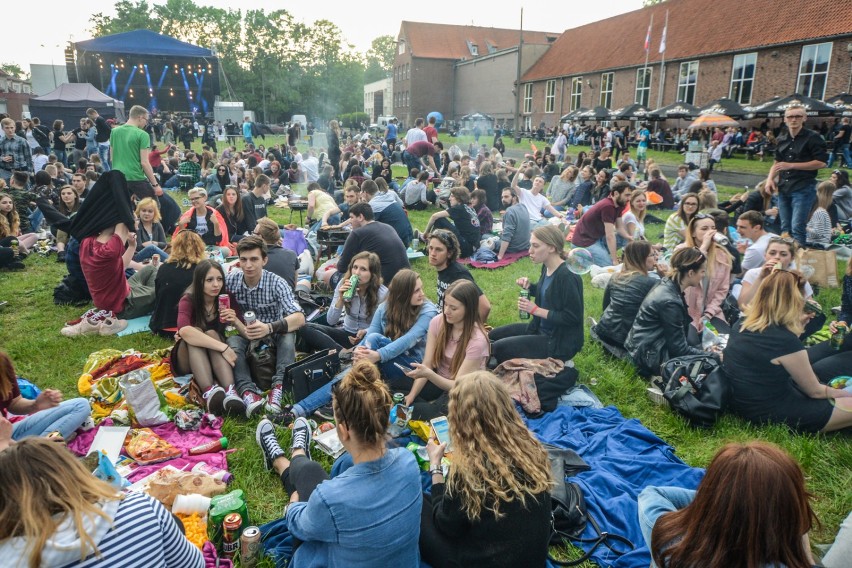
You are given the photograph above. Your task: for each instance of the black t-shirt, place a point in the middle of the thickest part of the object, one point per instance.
(104, 130)
(845, 132)
(79, 138)
(467, 223)
(378, 238)
(450, 274)
(58, 144)
(254, 208)
(599, 164)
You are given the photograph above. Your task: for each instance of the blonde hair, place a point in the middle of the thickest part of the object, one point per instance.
(707, 199)
(640, 215)
(267, 229)
(10, 223)
(715, 248)
(779, 300)
(196, 191)
(187, 249)
(825, 196)
(43, 486)
(148, 203)
(551, 236)
(496, 459)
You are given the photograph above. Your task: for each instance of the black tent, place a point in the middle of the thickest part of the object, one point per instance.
(69, 102)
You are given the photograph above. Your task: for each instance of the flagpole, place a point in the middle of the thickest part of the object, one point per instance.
(663, 63)
(647, 49)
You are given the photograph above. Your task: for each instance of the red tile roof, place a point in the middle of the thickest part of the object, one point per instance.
(696, 27)
(443, 41)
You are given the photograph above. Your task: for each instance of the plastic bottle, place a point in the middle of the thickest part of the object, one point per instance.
(209, 447)
(213, 471)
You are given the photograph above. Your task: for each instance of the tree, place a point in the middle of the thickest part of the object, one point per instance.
(379, 58)
(14, 70)
(129, 16)
(652, 2)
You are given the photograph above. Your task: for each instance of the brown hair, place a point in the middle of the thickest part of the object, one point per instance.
(634, 257)
(401, 315)
(375, 266)
(467, 293)
(267, 229)
(9, 223)
(551, 236)
(760, 486)
(362, 401)
(252, 242)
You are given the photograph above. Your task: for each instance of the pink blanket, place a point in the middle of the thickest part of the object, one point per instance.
(508, 259)
(178, 438)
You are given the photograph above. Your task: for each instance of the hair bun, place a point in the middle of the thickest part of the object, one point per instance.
(364, 375)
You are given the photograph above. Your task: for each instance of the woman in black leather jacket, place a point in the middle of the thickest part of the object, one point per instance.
(624, 295)
(659, 331)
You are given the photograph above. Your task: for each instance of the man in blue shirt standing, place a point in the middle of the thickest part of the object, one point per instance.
(644, 136)
(247, 131)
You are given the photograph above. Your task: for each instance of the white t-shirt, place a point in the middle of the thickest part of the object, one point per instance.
(310, 166)
(534, 203)
(753, 257)
(414, 135)
(752, 275)
(639, 230)
(200, 225)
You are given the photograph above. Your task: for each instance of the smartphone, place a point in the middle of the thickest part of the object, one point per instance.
(441, 428)
(402, 368)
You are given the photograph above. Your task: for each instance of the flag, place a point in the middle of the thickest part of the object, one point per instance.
(648, 38)
(663, 39)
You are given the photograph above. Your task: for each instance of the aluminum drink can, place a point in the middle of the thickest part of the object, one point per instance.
(231, 525)
(526, 295)
(14, 246)
(398, 398)
(721, 239)
(838, 337)
(353, 287)
(249, 547)
(224, 304)
(249, 317)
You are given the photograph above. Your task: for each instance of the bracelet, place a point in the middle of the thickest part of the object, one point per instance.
(436, 471)
(225, 349)
(534, 310)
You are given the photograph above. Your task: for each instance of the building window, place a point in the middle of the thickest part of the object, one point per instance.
(686, 82)
(473, 48)
(742, 77)
(550, 95)
(401, 47)
(408, 70)
(528, 98)
(606, 89)
(813, 70)
(528, 123)
(643, 86)
(576, 92)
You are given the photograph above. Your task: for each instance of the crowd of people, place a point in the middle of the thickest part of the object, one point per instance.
(135, 252)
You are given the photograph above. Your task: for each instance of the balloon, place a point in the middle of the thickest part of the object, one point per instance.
(579, 261)
(439, 118)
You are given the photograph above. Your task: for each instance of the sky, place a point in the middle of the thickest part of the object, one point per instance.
(359, 24)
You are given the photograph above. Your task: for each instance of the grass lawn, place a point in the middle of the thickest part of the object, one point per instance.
(29, 332)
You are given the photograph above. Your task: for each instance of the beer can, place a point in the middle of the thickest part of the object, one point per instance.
(721, 239)
(224, 304)
(522, 314)
(249, 317)
(838, 337)
(353, 287)
(231, 525)
(250, 547)
(398, 398)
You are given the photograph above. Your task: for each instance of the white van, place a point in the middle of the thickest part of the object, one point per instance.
(383, 121)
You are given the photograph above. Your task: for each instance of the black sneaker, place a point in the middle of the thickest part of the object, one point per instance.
(301, 436)
(325, 412)
(283, 418)
(265, 435)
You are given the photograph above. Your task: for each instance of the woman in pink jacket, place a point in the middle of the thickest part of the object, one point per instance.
(705, 301)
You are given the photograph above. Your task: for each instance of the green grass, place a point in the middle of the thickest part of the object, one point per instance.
(29, 332)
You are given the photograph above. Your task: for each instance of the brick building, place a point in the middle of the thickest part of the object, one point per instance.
(748, 50)
(425, 68)
(14, 95)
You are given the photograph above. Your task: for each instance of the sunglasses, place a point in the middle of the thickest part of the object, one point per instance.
(785, 240)
(702, 216)
(335, 388)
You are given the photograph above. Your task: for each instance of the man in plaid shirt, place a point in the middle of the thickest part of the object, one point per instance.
(189, 167)
(15, 153)
(278, 317)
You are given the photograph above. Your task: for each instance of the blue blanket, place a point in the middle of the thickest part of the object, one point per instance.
(625, 457)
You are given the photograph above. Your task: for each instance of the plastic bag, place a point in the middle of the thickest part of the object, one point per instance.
(106, 472)
(142, 398)
(165, 485)
(399, 414)
(145, 447)
(711, 340)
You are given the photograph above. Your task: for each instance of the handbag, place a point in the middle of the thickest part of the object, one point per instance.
(696, 388)
(262, 358)
(312, 372)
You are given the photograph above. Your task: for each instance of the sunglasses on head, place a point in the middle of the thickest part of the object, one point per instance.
(785, 240)
(702, 216)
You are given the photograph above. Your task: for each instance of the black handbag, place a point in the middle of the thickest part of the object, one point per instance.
(313, 372)
(262, 358)
(695, 388)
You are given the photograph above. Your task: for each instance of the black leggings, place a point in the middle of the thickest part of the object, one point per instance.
(317, 337)
(514, 340)
(435, 548)
(828, 363)
(467, 248)
(302, 476)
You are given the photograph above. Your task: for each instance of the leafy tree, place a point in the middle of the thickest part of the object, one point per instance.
(379, 58)
(14, 70)
(128, 16)
(652, 2)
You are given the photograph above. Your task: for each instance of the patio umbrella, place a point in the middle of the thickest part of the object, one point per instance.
(629, 112)
(843, 103)
(713, 120)
(724, 106)
(775, 107)
(573, 114)
(674, 110)
(598, 114)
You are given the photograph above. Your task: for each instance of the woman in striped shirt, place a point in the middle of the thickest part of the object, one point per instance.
(55, 513)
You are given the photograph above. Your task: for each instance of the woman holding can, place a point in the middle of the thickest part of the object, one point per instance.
(356, 298)
(556, 326)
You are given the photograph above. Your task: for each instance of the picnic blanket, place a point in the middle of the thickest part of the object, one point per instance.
(136, 325)
(625, 457)
(508, 259)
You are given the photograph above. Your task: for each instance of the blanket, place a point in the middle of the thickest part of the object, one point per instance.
(508, 258)
(625, 457)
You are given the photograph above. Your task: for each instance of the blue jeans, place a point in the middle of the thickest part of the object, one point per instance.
(392, 374)
(285, 344)
(103, 152)
(842, 149)
(36, 217)
(410, 160)
(600, 252)
(655, 502)
(61, 156)
(793, 210)
(150, 251)
(64, 418)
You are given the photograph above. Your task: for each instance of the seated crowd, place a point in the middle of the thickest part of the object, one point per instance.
(127, 244)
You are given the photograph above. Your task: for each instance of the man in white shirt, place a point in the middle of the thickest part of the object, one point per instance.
(750, 226)
(534, 201)
(310, 167)
(416, 134)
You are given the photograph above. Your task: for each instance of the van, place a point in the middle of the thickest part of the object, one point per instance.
(383, 121)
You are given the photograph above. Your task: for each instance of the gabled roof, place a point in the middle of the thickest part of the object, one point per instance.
(75, 92)
(143, 42)
(444, 41)
(696, 27)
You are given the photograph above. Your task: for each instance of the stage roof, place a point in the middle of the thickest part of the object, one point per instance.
(143, 42)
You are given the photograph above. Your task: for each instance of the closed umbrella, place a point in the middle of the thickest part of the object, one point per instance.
(630, 112)
(713, 121)
(674, 110)
(775, 107)
(724, 106)
(843, 103)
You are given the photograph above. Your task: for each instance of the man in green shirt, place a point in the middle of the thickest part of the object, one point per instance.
(129, 144)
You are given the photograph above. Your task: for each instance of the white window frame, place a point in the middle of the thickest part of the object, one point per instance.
(684, 84)
(607, 81)
(528, 123)
(401, 47)
(528, 90)
(745, 60)
(550, 96)
(809, 92)
(576, 92)
(642, 91)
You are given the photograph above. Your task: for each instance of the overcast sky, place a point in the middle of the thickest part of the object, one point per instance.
(27, 41)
